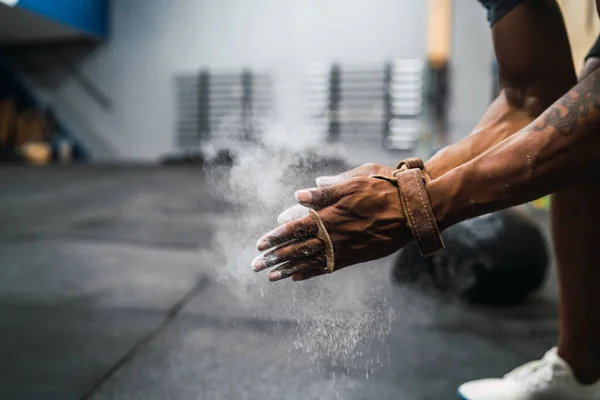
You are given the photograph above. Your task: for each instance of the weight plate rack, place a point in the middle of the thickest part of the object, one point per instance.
(207, 101)
(381, 102)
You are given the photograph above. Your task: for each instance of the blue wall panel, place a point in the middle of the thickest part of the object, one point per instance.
(90, 16)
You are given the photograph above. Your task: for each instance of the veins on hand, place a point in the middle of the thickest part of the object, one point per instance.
(578, 102)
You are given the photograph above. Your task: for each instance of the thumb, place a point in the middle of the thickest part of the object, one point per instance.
(324, 181)
(296, 212)
(363, 170)
(318, 198)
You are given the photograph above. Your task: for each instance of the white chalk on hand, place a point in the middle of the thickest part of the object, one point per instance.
(292, 213)
(323, 181)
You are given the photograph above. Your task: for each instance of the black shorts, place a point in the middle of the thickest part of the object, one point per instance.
(595, 50)
(497, 9)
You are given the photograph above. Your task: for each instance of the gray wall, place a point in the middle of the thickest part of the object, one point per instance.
(154, 39)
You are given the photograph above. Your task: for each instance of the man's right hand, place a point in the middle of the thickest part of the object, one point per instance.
(364, 171)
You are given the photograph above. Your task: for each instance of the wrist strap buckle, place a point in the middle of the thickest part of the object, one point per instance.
(411, 177)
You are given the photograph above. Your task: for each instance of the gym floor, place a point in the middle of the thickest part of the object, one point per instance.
(109, 290)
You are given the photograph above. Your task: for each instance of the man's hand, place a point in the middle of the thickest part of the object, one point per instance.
(363, 217)
(364, 171)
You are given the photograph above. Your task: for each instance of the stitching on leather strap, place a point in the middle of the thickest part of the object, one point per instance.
(423, 245)
(422, 223)
(430, 220)
(408, 209)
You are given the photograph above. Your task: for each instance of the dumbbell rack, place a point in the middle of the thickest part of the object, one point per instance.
(212, 104)
(382, 103)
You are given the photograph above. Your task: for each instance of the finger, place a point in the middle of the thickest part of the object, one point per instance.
(295, 267)
(294, 230)
(292, 213)
(288, 252)
(319, 198)
(302, 276)
(363, 170)
(324, 181)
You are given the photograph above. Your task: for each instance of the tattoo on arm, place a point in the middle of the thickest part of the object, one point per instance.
(578, 102)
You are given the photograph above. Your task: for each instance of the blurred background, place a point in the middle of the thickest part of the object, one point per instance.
(115, 83)
(146, 144)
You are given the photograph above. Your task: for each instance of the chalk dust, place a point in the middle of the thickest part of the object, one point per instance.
(332, 317)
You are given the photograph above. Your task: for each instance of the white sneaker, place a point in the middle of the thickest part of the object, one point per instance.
(550, 378)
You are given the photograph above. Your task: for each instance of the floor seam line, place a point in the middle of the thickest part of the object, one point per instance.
(148, 338)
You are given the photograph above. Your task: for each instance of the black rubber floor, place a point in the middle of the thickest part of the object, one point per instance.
(110, 288)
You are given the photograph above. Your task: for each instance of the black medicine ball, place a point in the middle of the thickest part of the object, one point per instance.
(498, 258)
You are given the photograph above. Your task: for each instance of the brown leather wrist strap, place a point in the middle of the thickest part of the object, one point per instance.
(410, 176)
(418, 212)
(411, 163)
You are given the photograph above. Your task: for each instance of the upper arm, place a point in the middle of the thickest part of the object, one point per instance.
(532, 48)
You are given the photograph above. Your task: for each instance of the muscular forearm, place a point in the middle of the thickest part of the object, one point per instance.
(535, 69)
(558, 148)
(501, 120)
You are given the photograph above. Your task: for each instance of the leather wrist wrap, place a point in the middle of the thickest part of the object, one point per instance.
(410, 177)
